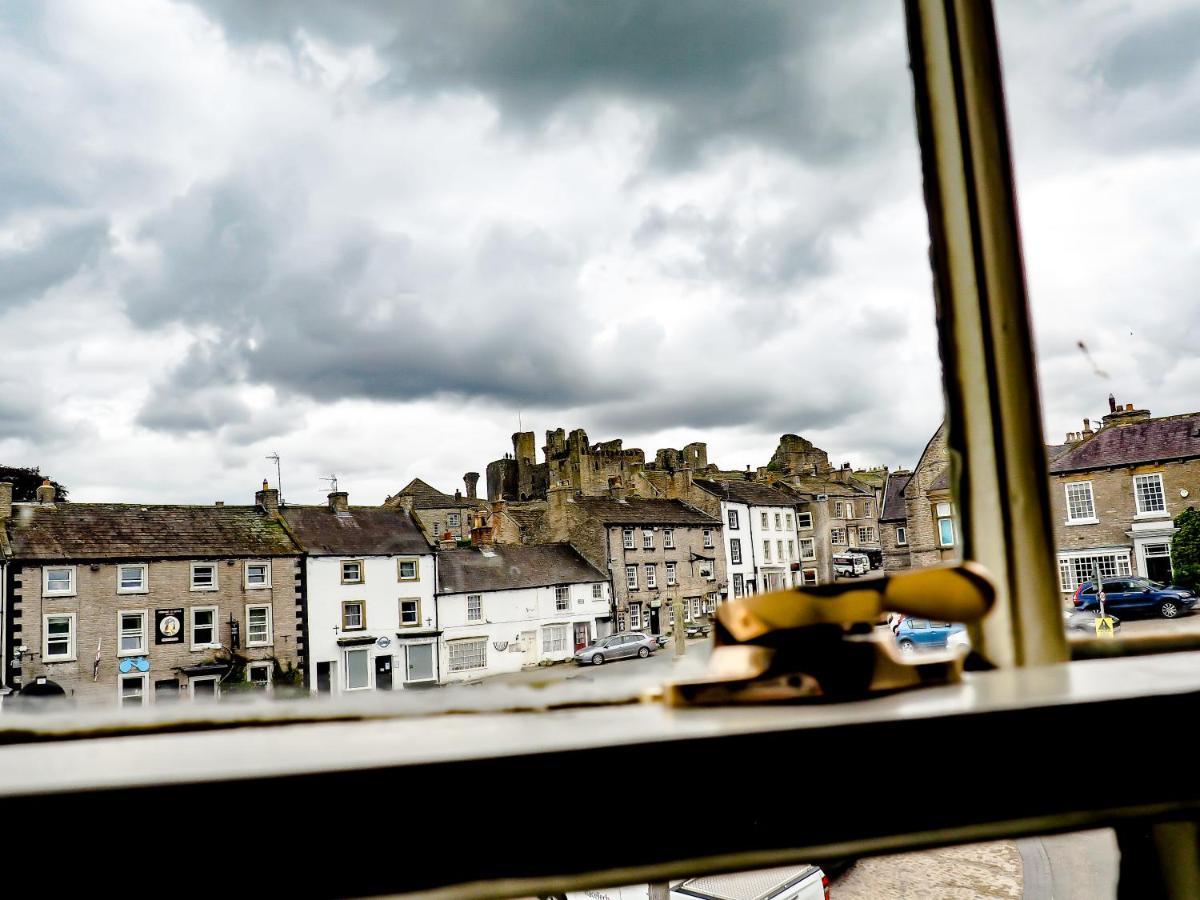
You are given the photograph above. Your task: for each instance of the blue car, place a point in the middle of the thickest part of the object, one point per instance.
(1131, 594)
(922, 634)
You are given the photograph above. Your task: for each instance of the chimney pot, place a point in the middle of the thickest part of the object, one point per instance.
(219, 503)
(471, 480)
(1128, 407)
(267, 499)
(1112, 403)
(339, 501)
(45, 492)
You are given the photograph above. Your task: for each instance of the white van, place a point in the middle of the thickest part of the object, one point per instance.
(851, 565)
(783, 883)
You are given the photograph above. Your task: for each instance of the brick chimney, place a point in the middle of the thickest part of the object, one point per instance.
(339, 502)
(471, 480)
(6, 494)
(267, 499)
(1124, 415)
(46, 492)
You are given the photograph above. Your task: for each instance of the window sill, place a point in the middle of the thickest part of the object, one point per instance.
(121, 654)
(1159, 514)
(1071, 522)
(250, 646)
(203, 590)
(125, 592)
(58, 593)
(52, 661)
(258, 587)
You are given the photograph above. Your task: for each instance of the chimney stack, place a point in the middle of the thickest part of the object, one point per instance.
(5, 500)
(1112, 403)
(219, 503)
(339, 502)
(45, 492)
(471, 480)
(1087, 428)
(267, 499)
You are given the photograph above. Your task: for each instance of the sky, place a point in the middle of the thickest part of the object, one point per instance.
(376, 238)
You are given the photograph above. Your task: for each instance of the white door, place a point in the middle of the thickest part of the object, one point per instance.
(529, 642)
(420, 663)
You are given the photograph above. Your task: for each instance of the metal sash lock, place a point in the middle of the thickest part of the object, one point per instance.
(818, 642)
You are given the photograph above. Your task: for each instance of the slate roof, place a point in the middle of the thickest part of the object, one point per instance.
(1154, 440)
(810, 484)
(67, 531)
(637, 511)
(512, 566)
(425, 496)
(942, 482)
(893, 499)
(752, 493)
(527, 515)
(361, 530)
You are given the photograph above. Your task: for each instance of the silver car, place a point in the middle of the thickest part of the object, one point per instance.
(616, 646)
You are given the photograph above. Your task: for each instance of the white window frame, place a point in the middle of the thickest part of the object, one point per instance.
(400, 611)
(69, 592)
(1076, 568)
(254, 564)
(739, 585)
(866, 509)
(453, 520)
(143, 587)
(1149, 478)
(707, 564)
(791, 550)
(433, 669)
(260, 664)
(945, 513)
(668, 538)
(837, 536)
(562, 598)
(346, 669)
(766, 551)
(416, 564)
(779, 551)
(70, 655)
(462, 642)
(804, 573)
(635, 615)
(627, 539)
(143, 677)
(270, 625)
(732, 518)
(800, 520)
(362, 617)
(362, 571)
(866, 534)
(1091, 502)
(788, 518)
(216, 627)
(901, 536)
(647, 538)
(478, 617)
(809, 552)
(672, 573)
(735, 551)
(597, 591)
(708, 539)
(779, 521)
(651, 572)
(631, 578)
(557, 633)
(145, 648)
(192, 586)
(837, 509)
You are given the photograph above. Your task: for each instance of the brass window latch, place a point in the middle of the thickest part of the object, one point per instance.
(819, 641)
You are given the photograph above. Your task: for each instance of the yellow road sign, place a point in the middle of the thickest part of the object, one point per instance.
(1104, 626)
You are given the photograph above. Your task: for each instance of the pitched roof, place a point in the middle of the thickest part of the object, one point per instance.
(366, 530)
(637, 511)
(425, 496)
(68, 531)
(527, 514)
(815, 484)
(893, 499)
(511, 566)
(1169, 437)
(752, 493)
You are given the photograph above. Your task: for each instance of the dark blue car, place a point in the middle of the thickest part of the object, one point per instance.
(922, 634)
(1131, 594)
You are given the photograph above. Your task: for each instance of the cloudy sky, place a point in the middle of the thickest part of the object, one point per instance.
(374, 239)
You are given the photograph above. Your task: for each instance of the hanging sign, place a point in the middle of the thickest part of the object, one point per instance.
(168, 626)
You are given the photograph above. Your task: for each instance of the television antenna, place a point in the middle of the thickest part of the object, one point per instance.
(332, 479)
(278, 475)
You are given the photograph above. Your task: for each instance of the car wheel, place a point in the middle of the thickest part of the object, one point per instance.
(643, 652)
(1168, 609)
(598, 659)
(907, 647)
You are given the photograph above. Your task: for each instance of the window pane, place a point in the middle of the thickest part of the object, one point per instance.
(356, 668)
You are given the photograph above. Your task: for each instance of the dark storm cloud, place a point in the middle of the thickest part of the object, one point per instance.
(336, 310)
(711, 71)
(59, 254)
(1158, 53)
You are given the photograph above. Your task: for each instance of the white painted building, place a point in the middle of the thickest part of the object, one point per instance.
(372, 620)
(769, 542)
(505, 607)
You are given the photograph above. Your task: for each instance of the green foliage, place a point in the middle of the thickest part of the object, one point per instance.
(25, 483)
(1185, 549)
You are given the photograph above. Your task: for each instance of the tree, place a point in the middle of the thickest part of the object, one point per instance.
(25, 483)
(1185, 549)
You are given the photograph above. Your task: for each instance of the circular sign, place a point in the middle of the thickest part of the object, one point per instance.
(169, 626)
(384, 642)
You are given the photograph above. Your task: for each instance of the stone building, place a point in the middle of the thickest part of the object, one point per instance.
(138, 604)
(931, 520)
(446, 519)
(893, 523)
(1116, 491)
(518, 476)
(652, 550)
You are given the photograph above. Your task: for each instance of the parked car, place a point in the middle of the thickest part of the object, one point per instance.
(922, 634)
(698, 629)
(616, 646)
(1133, 594)
(660, 639)
(850, 565)
(1085, 620)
